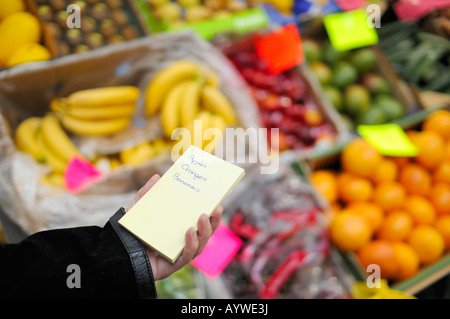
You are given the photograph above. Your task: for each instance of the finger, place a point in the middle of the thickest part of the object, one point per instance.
(189, 249)
(152, 181)
(204, 231)
(216, 218)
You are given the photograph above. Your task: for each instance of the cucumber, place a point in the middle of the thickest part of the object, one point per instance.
(440, 83)
(428, 62)
(433, 39)
(415, 57)
(393, 27)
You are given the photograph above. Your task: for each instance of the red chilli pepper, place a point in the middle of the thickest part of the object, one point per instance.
(280, 276)
(241, 228)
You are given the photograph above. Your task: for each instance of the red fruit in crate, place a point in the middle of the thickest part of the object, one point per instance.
(322, 130)
(285, 101)
(261, 66)
(305, 135)
(246, 58)
(312, 116)
(247, 74)
(263, 80)
(289, 125)
(296, 112)
(281, 142)
(265, 119)
(292, 141)
(276, 119)
(271, 102)
(258, 94)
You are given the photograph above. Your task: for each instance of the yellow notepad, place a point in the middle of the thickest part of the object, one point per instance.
(195, 184)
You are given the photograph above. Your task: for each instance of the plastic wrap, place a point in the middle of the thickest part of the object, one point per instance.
(286, 251)
(27, 90)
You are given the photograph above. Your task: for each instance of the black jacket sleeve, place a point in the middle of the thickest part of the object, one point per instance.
(81, 262)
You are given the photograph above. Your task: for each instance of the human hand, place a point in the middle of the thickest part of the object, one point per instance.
(195, 240)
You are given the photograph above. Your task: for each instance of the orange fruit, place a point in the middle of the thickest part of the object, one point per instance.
(372, 212)
(324, 182)
(431, 149)
(389, 195)
(415, 179)
(349, 232)
(427, 242)
(400, 161)
(442, 173)
(354, 189)
(360, 158)
(438, 122)
(386, 171)
(420, 209)
(447, 152)
(381, 253)
(395, 226)
(442, 225)
(408, 260)
(331, 211)
(440, 198)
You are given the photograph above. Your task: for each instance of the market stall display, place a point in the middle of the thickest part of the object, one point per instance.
(289, 100)
(100, 23)
(392, 211)
(419, 57)
(285, 238)
(89, 113)
(21, 38)
(111, 126)
(358, 85)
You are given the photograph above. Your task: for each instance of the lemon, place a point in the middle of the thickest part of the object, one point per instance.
(30, 52)
(16, 30)
(8, 7)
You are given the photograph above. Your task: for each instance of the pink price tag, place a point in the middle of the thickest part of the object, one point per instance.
(416, 9)
(281, 49)
(80, 173)
(218, 252)
(348, 5)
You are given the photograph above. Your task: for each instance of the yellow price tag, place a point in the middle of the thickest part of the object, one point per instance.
(388, 139)
(350, 30)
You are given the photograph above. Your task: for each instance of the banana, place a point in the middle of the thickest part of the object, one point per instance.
(170, 110)
(214, 100)
(104, 112)
(190, 102)
(207, 122)
(57, 163)
(138, 154)
(56, 179)
(104, 96)
(219, 123)
(165, 80)
(56, 138)
(94, 128)
(26, 138)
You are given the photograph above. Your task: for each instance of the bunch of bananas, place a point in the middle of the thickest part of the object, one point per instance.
(142, 152)
(186, 91)
(98, 111)
(46, 140)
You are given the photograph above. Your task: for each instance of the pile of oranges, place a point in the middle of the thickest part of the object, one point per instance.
(392, 211)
